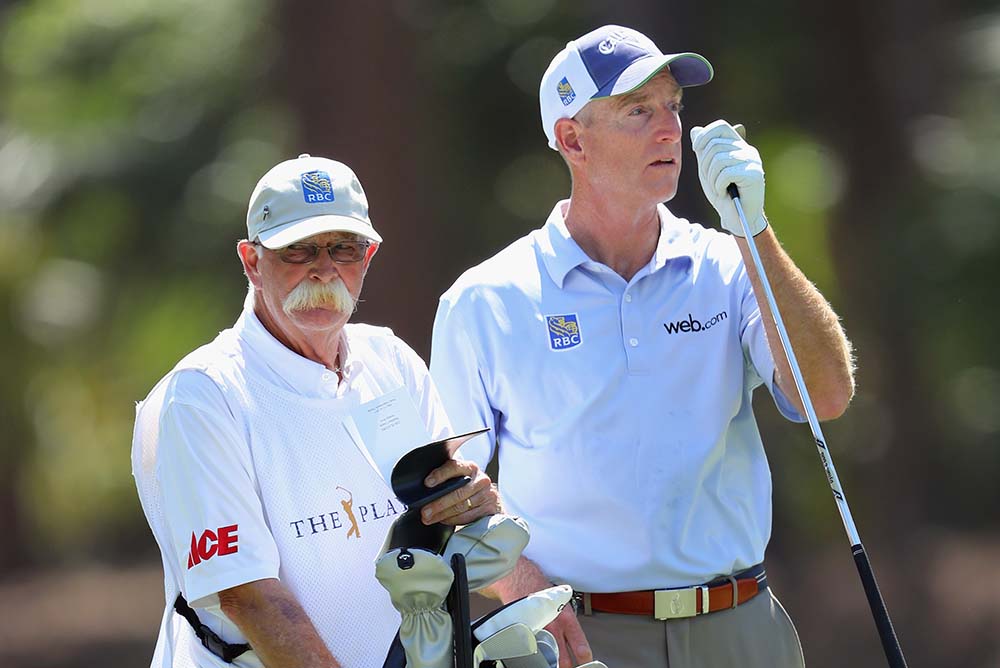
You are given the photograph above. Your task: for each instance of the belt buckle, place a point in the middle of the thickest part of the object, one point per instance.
(679, 603)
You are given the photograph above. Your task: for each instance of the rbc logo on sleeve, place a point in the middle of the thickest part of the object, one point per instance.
(566, 92)
(564, 331)
(316, 187)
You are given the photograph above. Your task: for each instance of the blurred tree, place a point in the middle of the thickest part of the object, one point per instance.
(129, 133)
(348, 72)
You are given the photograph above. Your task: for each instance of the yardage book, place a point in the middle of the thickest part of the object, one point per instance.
(390, 434)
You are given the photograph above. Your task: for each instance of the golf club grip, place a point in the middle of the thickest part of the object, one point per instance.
(890, 644)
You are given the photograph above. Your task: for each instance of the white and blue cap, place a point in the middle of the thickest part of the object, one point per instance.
(611, 60)
(305, 196)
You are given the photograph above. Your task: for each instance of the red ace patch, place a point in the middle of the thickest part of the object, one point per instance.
(211, 543)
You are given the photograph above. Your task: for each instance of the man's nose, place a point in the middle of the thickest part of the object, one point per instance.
(669, 129)
(323, 267)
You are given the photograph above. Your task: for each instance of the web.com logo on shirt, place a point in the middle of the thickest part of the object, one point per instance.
(692, 325)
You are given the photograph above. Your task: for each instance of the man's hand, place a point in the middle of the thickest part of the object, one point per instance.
(466, 504)
(527, 579)
(573, 646)
(725, 158)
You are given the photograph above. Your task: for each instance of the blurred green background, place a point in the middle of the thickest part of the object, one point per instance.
(132, 132)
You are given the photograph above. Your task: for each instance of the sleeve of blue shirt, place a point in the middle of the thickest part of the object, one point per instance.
(757, 351)
(457, 370)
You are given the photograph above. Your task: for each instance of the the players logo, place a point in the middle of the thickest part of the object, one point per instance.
(317, 187)
(348, 505)
(566, 92)
(564, 331)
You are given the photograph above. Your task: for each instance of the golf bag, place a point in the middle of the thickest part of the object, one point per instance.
(430, 570)
(431, 592)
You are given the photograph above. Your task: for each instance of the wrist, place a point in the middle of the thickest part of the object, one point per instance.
(526, 578)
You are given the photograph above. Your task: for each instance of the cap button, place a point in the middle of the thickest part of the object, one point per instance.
(304, 155)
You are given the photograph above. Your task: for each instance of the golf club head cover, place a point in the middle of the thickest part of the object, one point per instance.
(491, 546)
(418, 582)
(534, 611)
(724, 158)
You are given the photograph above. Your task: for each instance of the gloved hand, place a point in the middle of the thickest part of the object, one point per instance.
(724, 157)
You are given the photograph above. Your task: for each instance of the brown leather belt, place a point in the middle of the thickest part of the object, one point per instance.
(685, 602)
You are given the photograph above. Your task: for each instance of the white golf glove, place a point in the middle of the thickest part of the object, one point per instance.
(724, 157)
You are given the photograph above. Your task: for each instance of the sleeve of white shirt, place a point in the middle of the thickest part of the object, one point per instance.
(757, 351)
(216, 521)
(456, 369)
(422, 389)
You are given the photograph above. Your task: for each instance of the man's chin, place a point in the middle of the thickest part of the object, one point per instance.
(666, 193)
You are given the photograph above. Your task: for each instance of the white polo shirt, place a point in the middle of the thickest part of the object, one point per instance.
(245, 472)
(622, 409)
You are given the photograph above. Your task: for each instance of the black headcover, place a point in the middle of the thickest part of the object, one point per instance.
(408, 484)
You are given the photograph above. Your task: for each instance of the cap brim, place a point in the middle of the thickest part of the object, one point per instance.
(298, 230)
(688, 69)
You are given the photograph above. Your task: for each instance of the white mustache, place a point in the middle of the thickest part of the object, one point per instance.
(310, 294)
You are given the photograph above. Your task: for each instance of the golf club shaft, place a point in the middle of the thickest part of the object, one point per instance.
(458, 606)
(890, 644)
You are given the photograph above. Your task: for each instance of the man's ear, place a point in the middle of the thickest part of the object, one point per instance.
(250, 257)
(568, 132)
(369, 254)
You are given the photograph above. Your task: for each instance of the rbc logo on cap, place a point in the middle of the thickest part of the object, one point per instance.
(566, 92)
(317, 187)
(564, 331)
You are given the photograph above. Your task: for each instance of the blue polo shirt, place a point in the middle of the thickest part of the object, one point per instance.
(622, 408)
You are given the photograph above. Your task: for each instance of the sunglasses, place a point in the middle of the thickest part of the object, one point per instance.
(341, 252)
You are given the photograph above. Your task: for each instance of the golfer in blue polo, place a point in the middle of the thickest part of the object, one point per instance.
(614, 352)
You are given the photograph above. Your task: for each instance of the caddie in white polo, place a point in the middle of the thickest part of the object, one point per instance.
(251, 458)
(614, 352)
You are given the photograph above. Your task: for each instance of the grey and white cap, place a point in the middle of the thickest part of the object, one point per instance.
(306, 196)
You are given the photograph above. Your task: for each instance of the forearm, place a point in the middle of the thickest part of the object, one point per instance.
(821, 348)
(526, 578)
(275, 625)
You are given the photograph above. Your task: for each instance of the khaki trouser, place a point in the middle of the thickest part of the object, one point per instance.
(757, 634)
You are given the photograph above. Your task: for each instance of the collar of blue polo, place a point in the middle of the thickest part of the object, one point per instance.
(561, 254)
